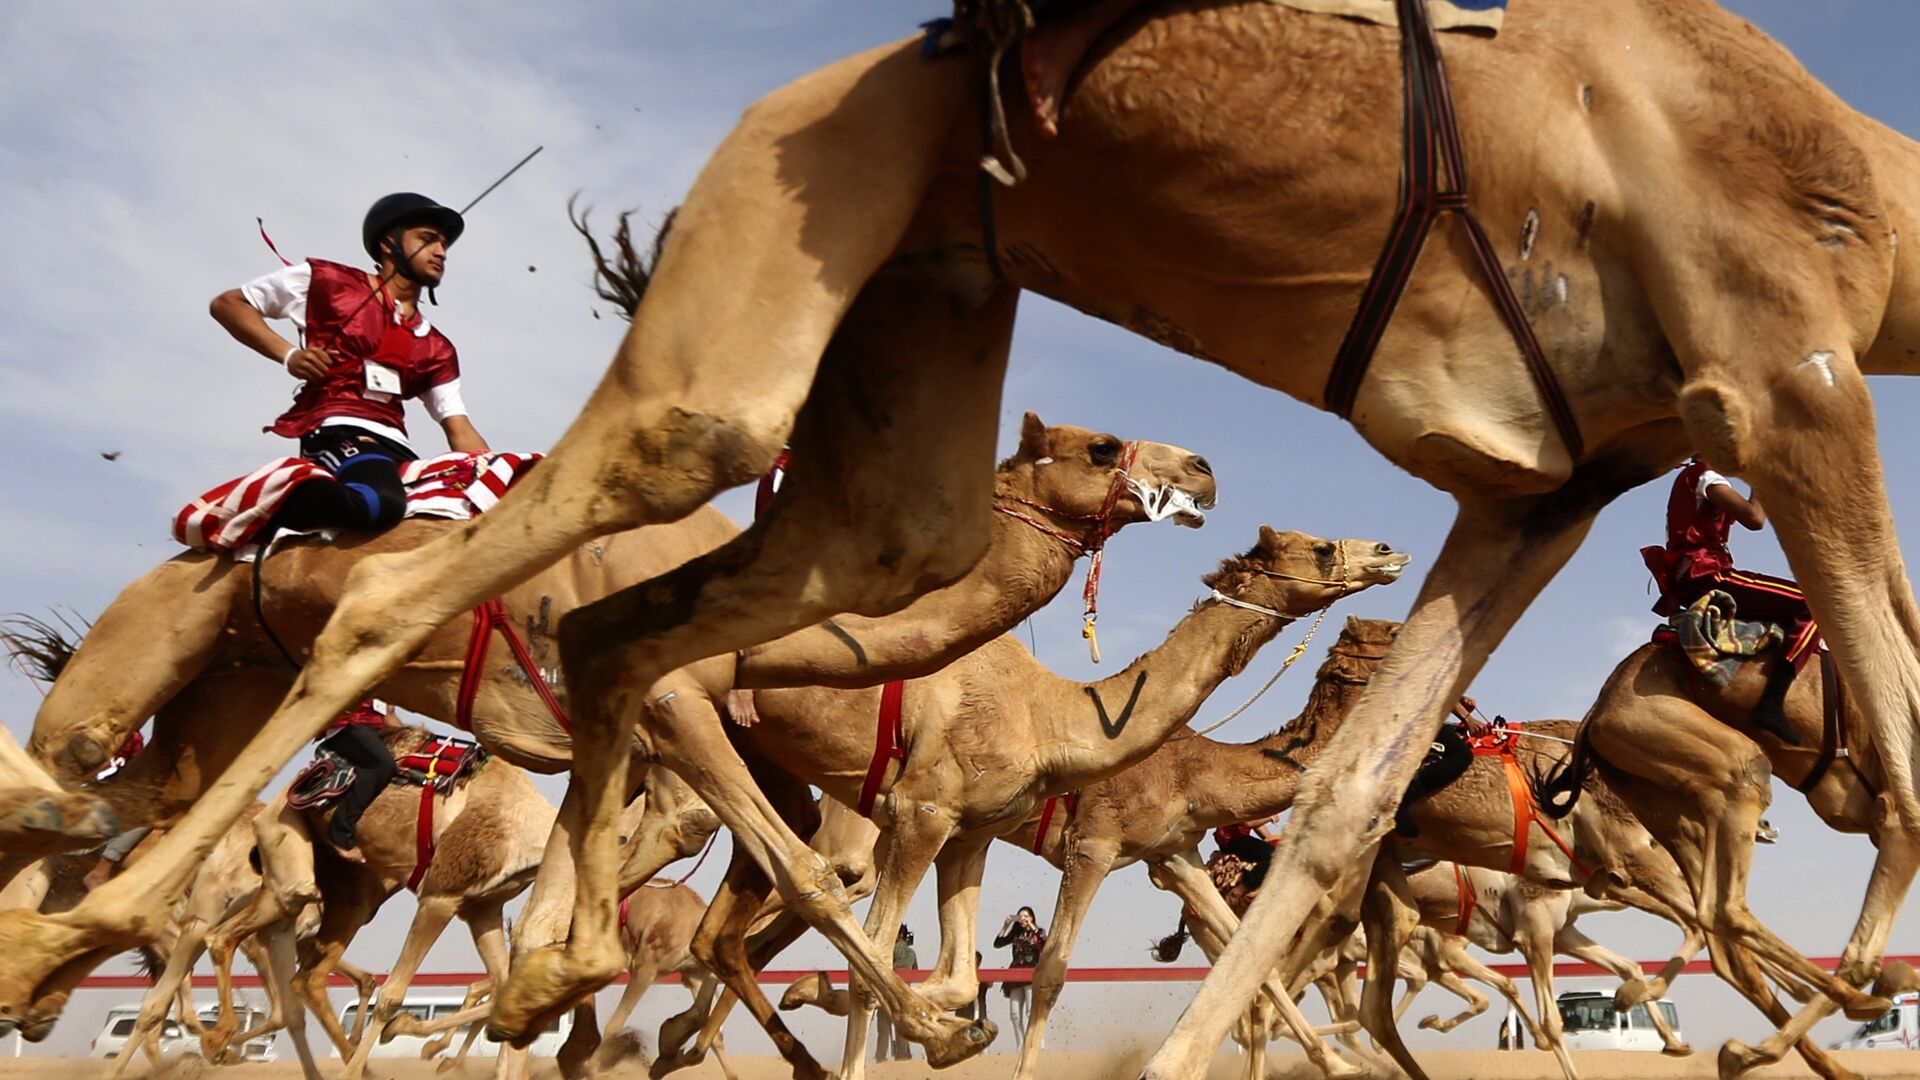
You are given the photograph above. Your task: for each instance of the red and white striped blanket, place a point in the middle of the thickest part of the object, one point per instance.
(455, 486)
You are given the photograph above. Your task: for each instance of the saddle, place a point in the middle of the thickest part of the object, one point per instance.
(440, 763)
(326, 778)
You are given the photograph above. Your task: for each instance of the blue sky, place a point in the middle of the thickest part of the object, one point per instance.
(138, 143)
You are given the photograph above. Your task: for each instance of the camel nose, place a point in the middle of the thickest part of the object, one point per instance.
(1200, 465)
(1383, 549)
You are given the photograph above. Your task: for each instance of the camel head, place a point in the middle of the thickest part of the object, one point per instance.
(1085, 476)
(1296, 573)
(1363, 644)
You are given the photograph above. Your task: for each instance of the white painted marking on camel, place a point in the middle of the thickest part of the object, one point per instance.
(1822, 359)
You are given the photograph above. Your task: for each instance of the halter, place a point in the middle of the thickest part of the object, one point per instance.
(1093, 544)
(1298, 650)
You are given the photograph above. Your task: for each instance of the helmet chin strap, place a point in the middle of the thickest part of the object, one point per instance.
(403, 264)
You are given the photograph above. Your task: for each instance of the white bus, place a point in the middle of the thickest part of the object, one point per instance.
(174, 1040)
(1592, 1023)
(426, 1009)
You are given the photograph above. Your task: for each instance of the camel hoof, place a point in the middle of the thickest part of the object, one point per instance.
(38, 822)
(959, 1043)
(543, 987)
(675, 1030)
(1735, 1058)
(46, 958)
(1434, 1023)
(1864, 1007)
(1678, 1049)
(806, 990)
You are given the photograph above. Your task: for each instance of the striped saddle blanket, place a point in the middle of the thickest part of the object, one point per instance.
(439, 762)
(454, 486)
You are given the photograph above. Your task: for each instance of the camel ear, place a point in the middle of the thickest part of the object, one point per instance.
(1269, 540)
(1353, 624)
(1033, 436)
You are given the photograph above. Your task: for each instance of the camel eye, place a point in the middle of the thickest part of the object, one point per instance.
(1324, 551)
(1104, 451)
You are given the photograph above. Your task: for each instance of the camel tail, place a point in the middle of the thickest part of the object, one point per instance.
(1168, 948)
(621, 278)
(1557, 790)
(40, 650)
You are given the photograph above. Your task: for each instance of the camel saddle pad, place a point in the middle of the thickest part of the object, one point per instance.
(1482, 15)
(326, 778)
(439, 761)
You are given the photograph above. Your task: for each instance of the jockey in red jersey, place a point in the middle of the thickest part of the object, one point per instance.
(367, 348)
(356, 737)
(1700, 516)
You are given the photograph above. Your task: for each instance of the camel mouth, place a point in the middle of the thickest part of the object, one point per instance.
(1766, 833)
(1162, 501)
(1391, 567)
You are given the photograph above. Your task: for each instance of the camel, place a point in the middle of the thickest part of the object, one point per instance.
(489, 836)
(1063, 481)
(1686, 757)
(986, 740)
(1727, 285)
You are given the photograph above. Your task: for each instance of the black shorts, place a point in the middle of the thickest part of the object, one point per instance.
(336, 446)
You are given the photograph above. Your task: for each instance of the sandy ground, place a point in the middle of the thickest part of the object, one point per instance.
(1441, 1065)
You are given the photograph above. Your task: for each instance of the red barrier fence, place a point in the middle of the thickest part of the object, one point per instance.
(1564, 970)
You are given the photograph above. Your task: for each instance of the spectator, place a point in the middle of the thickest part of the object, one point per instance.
(1022, 933)
(887, 1042)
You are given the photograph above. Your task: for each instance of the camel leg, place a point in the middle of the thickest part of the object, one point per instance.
(153, 1008)
(1780, 400)
(1747, 974)
(429, 920)
(705, 387)
(1453, 984)
(906, 849)
(1569, 941)
(913, 355)
(1498, 557)
(1415, 977)
(955, 978)
(720, 942)
(1533, 935)
(1086, 867)
(1455, 958)
(1389, 916)
(1214, 924)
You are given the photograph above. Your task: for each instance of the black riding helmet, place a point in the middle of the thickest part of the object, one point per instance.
(403, 210)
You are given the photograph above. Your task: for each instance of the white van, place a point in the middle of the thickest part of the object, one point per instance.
(1896, 1029)
(174, 1040)
(1592, 1023)
(427, 1009)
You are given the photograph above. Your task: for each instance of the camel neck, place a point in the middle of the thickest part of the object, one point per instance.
(1257, 779)
(1101, 727)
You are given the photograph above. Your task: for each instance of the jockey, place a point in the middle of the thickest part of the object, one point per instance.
(1446, 760)
(366, 348)
(356, 738)
(1700, 515)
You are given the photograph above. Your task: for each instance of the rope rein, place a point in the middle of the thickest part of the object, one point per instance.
(1093, 544)
(1299, 650)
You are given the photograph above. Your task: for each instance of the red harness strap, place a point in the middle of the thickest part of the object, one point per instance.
(886, 745)
(626, 936)
(1431, 137)
(1526, 813)
(423, 825)
(487, 618)
(1072, 799)
(1468, 899)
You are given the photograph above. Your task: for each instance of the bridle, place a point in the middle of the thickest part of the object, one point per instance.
(1092, 544)
(1299, 650)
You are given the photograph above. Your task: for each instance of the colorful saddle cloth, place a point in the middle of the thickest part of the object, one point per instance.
(440, 763)
(326, 778)
(1713, 640)
(456, 486)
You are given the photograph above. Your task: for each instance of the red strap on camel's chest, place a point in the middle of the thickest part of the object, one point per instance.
(1072, 799)
(487, 618)
(1431, 141)
(1467, 899)
(1526, 813)
(886, 745)
(422, 838)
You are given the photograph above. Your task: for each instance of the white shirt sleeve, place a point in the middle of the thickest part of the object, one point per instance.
(282, 294)
(1708, 479)
(443, 401)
